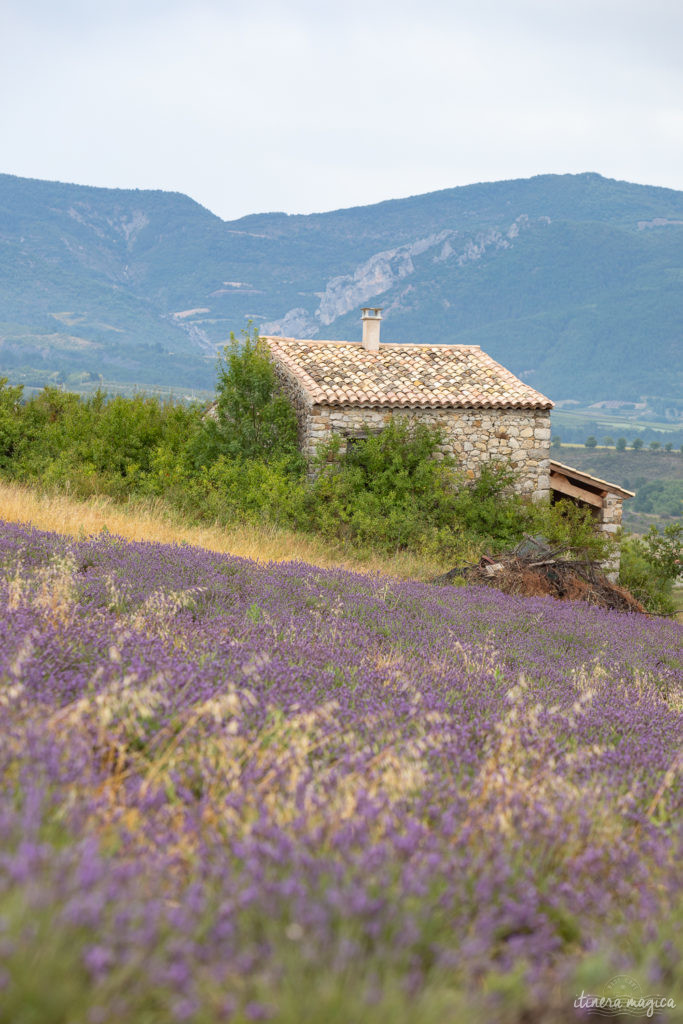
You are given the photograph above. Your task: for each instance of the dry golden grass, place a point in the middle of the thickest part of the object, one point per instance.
(153, 520)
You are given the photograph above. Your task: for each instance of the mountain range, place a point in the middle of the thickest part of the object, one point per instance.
(574, 282)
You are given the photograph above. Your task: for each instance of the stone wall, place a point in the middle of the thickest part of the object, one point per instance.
(472, 436)
(608, 521)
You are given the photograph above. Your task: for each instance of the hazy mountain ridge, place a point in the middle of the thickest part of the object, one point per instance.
(575, 282)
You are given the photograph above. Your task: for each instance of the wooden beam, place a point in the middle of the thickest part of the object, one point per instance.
(563, 486)
(578, 477)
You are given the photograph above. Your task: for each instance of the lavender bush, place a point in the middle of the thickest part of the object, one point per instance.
(235, 792)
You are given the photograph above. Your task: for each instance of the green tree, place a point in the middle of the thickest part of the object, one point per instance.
(10, 423)
(621, 444)
(251, 419)
(637, 444)
(665, 550)
(591, 442)
(668, 447)
(655, 446)
(556, 441)
(608, 440)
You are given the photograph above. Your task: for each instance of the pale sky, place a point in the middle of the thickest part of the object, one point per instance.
(302, 107)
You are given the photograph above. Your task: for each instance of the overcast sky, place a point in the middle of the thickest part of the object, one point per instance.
(304, 106)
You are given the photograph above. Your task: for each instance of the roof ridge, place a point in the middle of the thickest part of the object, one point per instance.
(359, 344)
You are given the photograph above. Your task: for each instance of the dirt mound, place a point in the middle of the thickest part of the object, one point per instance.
(533, 569)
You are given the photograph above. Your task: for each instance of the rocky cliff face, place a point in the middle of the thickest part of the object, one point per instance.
(382, 271)
(373, 277)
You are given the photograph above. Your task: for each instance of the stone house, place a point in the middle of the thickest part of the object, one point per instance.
(354, 389)
(485, 413)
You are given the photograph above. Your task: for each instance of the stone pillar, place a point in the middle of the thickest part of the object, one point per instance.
(608, 523)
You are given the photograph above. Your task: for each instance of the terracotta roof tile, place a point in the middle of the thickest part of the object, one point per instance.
(343, 373)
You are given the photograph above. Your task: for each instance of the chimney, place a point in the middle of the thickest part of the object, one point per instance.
(371, 318)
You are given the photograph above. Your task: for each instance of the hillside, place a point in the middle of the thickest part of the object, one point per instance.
(573, 281)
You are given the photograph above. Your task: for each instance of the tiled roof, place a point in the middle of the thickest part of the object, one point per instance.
(343, 373)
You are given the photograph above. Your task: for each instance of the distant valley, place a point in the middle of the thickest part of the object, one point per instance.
(575, 282)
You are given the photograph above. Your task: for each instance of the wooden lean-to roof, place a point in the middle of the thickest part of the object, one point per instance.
(574, 483)
(343, 373)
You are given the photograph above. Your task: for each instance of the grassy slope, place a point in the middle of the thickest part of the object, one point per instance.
(157, 522)
(148, 520)
(619, 467)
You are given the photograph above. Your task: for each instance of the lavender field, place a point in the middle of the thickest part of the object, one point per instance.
(236, 792)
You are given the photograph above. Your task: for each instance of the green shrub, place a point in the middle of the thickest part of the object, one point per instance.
(568, 525)
(247, 490)
(391, 493)
(93, 446)
(490, 511)
(651, 564)
(387, 491)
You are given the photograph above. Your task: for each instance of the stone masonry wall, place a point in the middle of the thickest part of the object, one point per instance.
(472, 436)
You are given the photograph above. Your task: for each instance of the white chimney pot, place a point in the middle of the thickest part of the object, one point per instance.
(371, 319)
